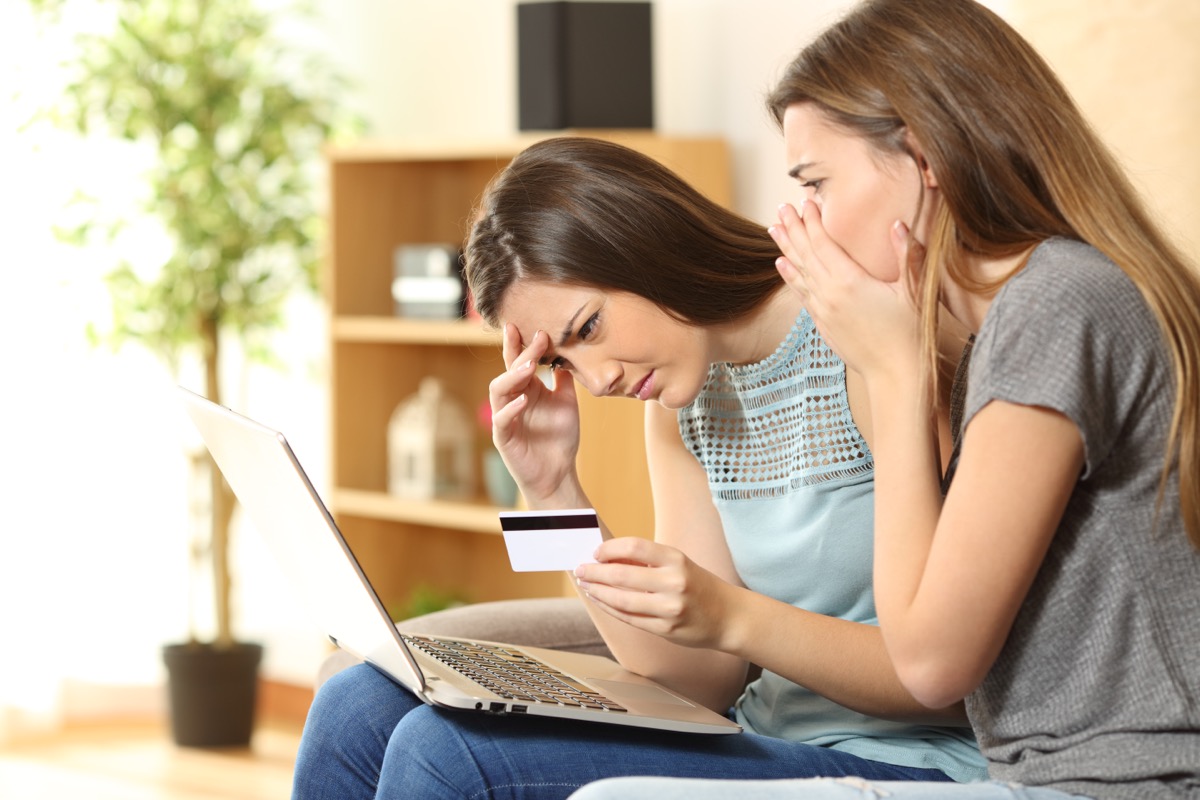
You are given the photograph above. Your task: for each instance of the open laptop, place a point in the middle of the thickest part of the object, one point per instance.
(473, 675)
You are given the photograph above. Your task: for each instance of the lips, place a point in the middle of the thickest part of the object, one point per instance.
(642, 390)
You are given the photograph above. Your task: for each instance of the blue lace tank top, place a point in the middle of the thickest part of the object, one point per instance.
(792, 480)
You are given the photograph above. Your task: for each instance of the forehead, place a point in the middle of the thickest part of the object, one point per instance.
(537, 305)
(810, 135)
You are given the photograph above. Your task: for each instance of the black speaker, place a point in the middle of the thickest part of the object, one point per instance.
(584, 65)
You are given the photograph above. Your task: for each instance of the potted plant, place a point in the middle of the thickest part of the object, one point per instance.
(236, 122)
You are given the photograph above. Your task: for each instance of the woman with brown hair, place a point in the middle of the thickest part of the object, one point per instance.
(603, 265)
(1056, 585)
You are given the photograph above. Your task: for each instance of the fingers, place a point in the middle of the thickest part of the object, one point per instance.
(508, 398)
(910, 253)
(791, 237)
(646, 585)
(819, 254)
(792, 234)
(792, 276)
(520, 365)
(790, 268)
(814, 259)
(816, 247)
(635, 566)
(644, 610)
(510, 344)
(507, 393)
(636, 550)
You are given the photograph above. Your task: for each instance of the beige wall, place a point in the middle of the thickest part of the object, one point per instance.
(1134, 67)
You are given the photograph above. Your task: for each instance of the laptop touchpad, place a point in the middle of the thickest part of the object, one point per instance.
(636, 691)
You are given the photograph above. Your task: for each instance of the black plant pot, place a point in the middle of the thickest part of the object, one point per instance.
(212, 693)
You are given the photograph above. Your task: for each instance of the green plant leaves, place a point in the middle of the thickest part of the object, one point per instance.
(237, 121)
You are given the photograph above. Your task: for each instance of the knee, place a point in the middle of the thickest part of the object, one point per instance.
(358, 699)
(348, 726)
(429, 755)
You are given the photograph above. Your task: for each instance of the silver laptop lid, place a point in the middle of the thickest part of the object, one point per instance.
(284, 507)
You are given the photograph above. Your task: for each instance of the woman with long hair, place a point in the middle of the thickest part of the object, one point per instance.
(1055, 586)
(603, 265)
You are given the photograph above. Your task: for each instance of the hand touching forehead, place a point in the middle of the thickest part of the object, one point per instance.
(557, 309)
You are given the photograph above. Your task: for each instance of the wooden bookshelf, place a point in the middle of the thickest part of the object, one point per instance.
(387, 194)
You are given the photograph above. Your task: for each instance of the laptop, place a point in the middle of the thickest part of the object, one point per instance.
(468, 674)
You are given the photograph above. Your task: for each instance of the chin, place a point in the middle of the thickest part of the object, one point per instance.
(666, 400)
(674, 402)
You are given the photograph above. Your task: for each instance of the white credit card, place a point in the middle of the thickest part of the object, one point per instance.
(547, 541)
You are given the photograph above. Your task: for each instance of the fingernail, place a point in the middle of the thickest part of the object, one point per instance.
(773, 230)
(528, 365)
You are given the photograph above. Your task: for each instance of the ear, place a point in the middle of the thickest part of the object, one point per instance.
(918, 153)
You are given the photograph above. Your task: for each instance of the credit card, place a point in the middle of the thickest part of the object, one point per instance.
(548, 541)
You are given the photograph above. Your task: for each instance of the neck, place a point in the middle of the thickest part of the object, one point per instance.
(753, 338)
(970, 308)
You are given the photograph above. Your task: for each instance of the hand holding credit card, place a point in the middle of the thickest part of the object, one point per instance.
(545, 541)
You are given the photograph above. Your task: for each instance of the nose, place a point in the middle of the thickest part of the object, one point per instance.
(600, 379)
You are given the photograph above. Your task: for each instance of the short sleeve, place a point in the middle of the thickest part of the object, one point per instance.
(1071, 333)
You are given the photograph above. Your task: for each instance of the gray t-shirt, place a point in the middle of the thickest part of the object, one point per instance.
(1097, 690)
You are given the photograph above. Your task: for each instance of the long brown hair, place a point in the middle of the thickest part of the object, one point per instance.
(1016, 162)
(584, 211)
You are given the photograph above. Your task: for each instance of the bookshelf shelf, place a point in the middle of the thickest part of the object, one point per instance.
(386, 194)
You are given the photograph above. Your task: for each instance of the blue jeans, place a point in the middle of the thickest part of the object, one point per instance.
(820, 789)
(366, 737)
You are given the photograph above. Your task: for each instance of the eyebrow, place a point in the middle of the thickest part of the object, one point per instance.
(569, 327)
(565, 336)
(795, 171)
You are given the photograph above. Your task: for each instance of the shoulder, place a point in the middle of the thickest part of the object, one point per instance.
(1070, 332)
(1071, 296)
(1064, 274)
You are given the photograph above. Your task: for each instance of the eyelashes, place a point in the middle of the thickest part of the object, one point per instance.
(586, 331)
(589, 327)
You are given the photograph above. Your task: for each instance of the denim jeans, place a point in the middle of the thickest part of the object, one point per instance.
(811, 789)
(366, 737)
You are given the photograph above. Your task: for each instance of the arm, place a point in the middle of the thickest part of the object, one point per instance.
(687, 526)
(949, 580)
(707, 606)
(949, 585)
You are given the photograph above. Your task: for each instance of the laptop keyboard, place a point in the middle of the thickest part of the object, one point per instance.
(512, 674)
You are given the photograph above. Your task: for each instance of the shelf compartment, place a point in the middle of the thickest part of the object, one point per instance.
(398, 330)
(370, 378)
(475, 517)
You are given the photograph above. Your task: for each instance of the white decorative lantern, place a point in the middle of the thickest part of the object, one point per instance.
(430, 450)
